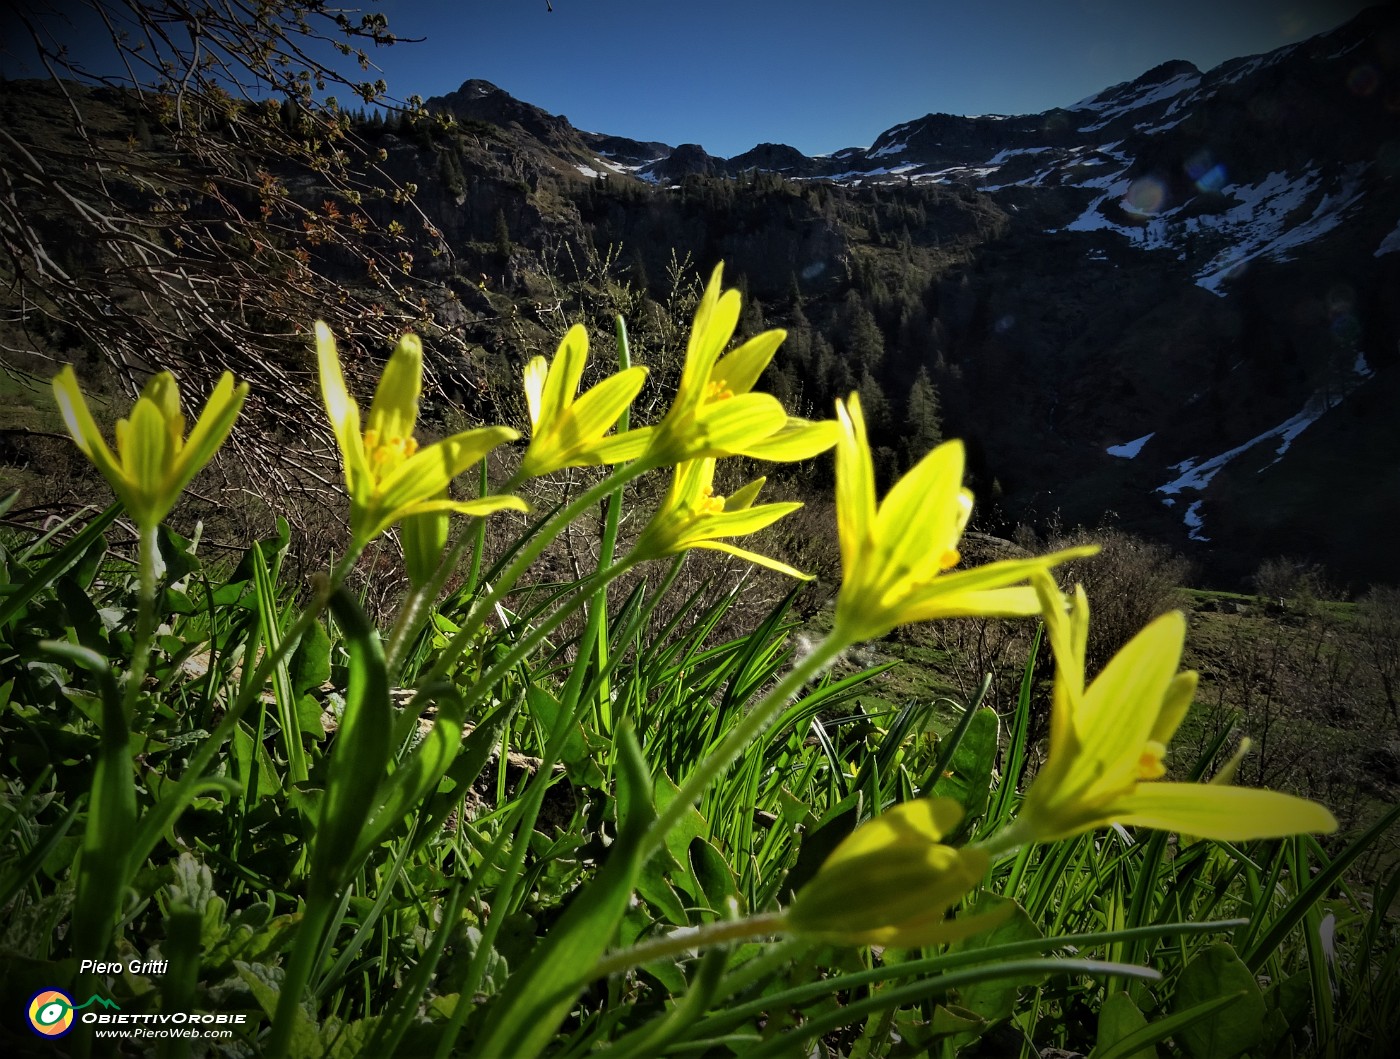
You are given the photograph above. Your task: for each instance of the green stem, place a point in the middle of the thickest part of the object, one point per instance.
(147, 563)
(1008, 840)
(406, 625)
(105, 864)
(523, 560)
(319, 908)
(687, 939)
(713, 765)
(478, 539)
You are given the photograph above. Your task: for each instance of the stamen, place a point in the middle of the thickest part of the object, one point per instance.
(1150, 765)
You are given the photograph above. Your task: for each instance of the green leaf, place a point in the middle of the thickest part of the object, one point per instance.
(712, 873)
(968, 776)
(578, 761)
(995, 999)
(265, 983)
(310, 666)
(88, 545)
(949, 1020)
(654, 888)
(177, 552)
(1236, 1027)
(362, 749)
(1142, 1040)
(1118, 1018)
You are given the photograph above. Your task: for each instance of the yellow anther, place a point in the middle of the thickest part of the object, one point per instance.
(1150, 765)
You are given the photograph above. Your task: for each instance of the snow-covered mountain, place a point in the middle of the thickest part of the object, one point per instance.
(1188, 283)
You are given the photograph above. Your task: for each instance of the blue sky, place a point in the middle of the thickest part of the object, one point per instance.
(817, 74)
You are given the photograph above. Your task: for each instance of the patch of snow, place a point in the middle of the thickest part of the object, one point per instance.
(889, 149)
(1008, 153)
(1194, 523)
(1142, 127)
(1197, 476)
(587, 171)
(1130, 449)
(1390, 244)
(1109, 110)
(1361, 368)
(1258, 224)
(1252, 65)
(616, 167)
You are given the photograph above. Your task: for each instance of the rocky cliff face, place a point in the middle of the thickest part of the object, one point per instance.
(1174, 301)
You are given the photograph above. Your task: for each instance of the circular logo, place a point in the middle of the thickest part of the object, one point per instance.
(50, 1013)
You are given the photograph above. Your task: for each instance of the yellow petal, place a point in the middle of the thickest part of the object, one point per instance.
(739, 371)
(1230, 814)
(1175, 706)
(426, 474)
(799, 439)
(485, 505)
(987, 603)
(535, 374)
(715, 319)
(932, 931)
(723, 427)
(754, 557)
(145, 453)
(394, 411)
(423, 538)
(890, 872)
(738, 523)
(1119, 710)
(211, 430)
(83, 429)
(343, 413)
(165, 392)
(855, 487)
(919, 520)
(744, 497)
(595, 413)
(619, 448)
(565, 373)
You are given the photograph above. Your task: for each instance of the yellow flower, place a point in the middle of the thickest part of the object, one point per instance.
(894, 559)
(388, 476)
(892, 881)
(565, 432)
(691, 516)
(154, 460)
(1107, 743)
(714, 412)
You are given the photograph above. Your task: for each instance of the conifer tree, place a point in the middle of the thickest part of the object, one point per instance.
(923, 427)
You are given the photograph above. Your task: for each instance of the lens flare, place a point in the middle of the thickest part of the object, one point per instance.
(1145, 196)
(1205, 172)
(1363, 80)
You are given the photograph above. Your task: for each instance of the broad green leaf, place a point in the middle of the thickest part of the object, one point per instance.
(968, 777)
(310, 666)
(995, 999)
(1118, 1018)
(1236, 1027)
